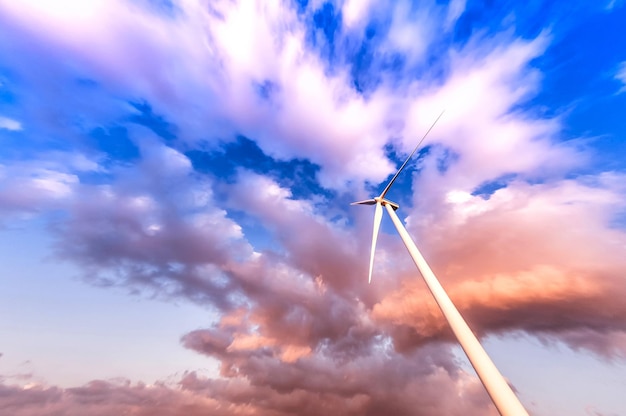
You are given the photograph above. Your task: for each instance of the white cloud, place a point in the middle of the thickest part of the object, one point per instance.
(354, 12)
(455, 10)
(203, 69)
(25, 188)
(412, 31)
(620, 75)
(10, 124)
(203, 72)
(613, 4)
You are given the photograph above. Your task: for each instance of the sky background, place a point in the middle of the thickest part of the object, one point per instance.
(175, 230)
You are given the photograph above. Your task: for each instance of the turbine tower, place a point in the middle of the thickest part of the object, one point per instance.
(498, 389)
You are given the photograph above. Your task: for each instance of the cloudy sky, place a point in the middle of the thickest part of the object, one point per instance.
(175, 230)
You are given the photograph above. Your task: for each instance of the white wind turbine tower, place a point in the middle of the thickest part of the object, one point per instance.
(500, 392)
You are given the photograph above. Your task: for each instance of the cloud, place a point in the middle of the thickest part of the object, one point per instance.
(289, 219)
(10, 124)
(263, 78)
(455, 10)
(614, 4)
(196, 395)
(620, 75)
(100, 397)
(29, 187)
(354, 12)
(155, 226)
(543, 256)
(405, 384)
(521, 241)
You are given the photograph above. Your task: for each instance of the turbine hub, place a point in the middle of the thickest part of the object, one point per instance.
(384, 201)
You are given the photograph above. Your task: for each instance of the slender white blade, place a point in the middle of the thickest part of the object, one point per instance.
(378, 216)
(366, 202)
(382, 195)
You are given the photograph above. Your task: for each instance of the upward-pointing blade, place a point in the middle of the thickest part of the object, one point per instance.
(382, 195)
(378, 216)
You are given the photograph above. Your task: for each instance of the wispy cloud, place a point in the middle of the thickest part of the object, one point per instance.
(541, 255)
(10, 124)
(612, 4)
(620, 75)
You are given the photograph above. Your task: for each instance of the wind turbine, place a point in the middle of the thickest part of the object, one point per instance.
(499, 391)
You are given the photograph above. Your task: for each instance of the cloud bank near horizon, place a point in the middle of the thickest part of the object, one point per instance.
(118, 114)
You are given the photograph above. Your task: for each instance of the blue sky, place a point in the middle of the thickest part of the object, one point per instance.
(175, 181)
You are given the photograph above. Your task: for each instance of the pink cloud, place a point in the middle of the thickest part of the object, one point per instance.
(106, 397)
(539, 258)
(404, 385)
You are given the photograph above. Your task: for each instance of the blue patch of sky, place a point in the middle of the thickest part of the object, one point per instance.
(162, 7)
(86, 83)
(28, 143)
(13, 146)
(340, 49)
(364, 79)
(298, 175)
(301, 5)
(435, 68)
(578, 69)
(368, 63)
(114, 140)
(576, 32)
(402, 190)
(587, 58)
(324, 27)
(481, 18)
(23, 144)
(369, 59)
(328, 20)
(115, 143)
(255, 232)
(7, 97)
(266, 89)
(582, 58)
(158, 124)
(445, 159)
(486, 189)
(525, 19)
(361, 52)
(8, 108)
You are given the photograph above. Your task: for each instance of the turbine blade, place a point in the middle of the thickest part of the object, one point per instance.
(382, 195)
(378, 216)
(365, 202)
